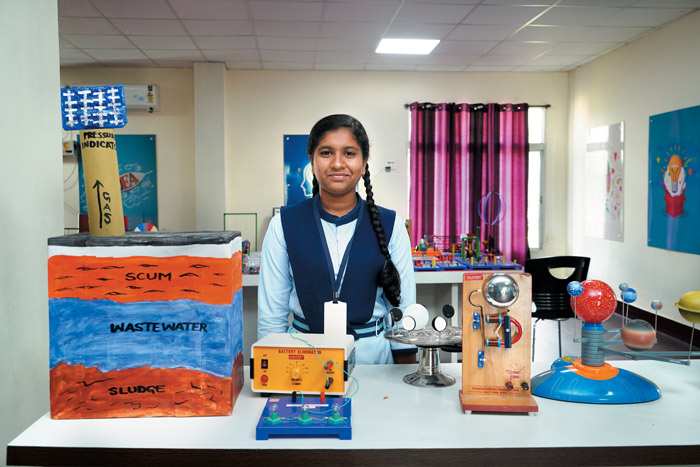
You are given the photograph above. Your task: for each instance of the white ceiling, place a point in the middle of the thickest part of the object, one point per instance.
(476, 35)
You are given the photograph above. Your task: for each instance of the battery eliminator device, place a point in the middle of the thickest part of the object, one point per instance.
(310, 364)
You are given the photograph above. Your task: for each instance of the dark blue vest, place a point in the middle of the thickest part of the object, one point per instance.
(311, 273)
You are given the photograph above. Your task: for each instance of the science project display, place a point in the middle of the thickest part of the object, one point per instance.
(496, 351)
(144, 324)
(589, 379)
(303, 365)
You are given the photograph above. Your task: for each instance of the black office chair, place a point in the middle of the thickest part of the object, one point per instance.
(549, 292)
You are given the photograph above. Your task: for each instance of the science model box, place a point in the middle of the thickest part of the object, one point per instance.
(148, 324)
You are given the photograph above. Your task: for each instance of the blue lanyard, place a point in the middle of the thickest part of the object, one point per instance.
(335, 280)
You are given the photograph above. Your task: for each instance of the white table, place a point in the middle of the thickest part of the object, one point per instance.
(397, 424)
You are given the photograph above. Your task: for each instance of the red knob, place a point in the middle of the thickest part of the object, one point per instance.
(263, 378)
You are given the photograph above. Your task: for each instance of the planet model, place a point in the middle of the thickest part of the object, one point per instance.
(597, 302)
(689, 306)
(638, 335)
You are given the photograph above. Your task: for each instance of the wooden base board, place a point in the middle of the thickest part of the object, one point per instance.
(524, 403)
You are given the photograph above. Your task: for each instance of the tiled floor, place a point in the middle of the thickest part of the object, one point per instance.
(547, 347)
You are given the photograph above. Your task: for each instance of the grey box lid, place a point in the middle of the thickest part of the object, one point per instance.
(148, 239)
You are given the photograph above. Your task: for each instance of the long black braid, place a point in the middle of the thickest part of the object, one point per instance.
(389, 277)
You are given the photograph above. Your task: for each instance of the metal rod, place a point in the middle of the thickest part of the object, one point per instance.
(653, 356)
(559, 326)
(690, 347)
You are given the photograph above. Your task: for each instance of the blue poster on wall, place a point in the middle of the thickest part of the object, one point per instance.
(674, 183)
(136, 155)
(297, 169)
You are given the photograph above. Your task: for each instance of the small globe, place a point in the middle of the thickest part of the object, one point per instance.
(638, 335)
(597, 302)
(629, 295)
(574, 288)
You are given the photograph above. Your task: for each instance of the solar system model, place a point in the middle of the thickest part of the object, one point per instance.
(590, 379)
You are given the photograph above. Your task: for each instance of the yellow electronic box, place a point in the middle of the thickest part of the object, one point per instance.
(280, 363)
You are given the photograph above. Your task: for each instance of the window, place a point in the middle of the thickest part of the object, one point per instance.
(536, 137)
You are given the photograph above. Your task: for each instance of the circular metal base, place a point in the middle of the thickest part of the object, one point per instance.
(437, 380)
(429, 374)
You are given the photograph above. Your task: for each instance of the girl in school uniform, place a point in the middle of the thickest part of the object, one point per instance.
(338, 247)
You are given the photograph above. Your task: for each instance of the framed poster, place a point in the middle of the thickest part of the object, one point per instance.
(136, 155)
(297, 169)
(674, 186)
(604, 182)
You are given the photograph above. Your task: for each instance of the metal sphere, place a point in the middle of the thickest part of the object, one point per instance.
(501, 290)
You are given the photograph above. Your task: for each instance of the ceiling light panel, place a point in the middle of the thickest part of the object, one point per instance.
(406, 46)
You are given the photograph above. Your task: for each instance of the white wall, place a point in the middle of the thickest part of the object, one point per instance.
(30, 206)
(264, 105)
(173, 126)
(658, 73)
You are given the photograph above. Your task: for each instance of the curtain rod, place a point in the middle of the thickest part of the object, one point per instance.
(546, 106)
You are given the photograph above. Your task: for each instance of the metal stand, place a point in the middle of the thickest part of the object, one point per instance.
(429, 373)
(428, 342)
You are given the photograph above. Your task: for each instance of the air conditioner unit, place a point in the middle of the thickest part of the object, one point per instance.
(141, 97)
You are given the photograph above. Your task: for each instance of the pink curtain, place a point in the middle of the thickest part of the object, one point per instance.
(469, 170)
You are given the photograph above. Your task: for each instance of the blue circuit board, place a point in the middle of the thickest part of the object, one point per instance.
(285, 418)
(459, 265)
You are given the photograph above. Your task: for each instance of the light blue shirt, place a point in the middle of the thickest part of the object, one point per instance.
(277, 295)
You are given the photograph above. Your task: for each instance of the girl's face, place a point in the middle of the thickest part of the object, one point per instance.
(337, 163)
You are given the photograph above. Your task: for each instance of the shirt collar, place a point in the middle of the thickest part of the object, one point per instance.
(342, 220)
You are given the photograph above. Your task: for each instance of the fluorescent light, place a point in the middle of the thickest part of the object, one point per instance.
(407, 46)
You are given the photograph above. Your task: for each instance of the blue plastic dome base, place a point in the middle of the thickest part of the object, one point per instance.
(564, 384)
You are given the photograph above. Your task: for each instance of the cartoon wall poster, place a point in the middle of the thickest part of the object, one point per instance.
(136, 155)
(297, 169)
(674, 184)
(145, 325)
(604, 182)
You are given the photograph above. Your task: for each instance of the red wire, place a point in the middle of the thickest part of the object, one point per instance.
(520, 331)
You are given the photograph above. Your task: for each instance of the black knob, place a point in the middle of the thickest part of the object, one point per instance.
(525, 386)
(448, 311)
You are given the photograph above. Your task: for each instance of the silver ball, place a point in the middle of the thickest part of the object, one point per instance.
(501, 290)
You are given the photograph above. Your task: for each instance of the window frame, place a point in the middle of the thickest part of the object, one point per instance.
(540, 148)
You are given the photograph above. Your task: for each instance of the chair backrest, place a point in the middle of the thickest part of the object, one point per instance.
(549, 292)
